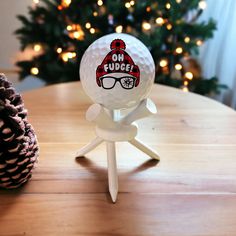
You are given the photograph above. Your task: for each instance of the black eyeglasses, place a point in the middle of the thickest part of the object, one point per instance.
(126, 82)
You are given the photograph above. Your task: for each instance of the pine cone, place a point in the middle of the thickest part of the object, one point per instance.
(18, 143)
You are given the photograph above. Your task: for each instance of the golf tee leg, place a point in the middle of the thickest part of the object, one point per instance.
(149, 151)
(89, 147)
(112, 170)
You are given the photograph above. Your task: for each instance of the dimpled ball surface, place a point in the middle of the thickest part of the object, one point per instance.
(117, 97)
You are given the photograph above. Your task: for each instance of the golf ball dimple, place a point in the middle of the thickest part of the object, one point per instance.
(117, 71)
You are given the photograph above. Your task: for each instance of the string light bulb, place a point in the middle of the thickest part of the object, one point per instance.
(59, 50)
(127, 5)
(189, 75)
(34, 71)
(169, 26)
(68, 55)
(100, 3)
(37, 47)
(95, 13)
(87, 25)
(187, 39)
(199, 42)
(132, 2)
(119, 29)
(92, 30)
(75, 31)
(76, 34)
(65, 57)
(65, 3)
(69, 27)
(185, 89)
(71, 55)
(146, 25)
(178, 1)
(186, 83)
(160, 21)
(168, 6)
(179, 50)
(163, 63)
(178, 66)
(202, 4)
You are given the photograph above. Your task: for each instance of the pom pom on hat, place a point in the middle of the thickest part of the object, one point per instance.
(117, 44)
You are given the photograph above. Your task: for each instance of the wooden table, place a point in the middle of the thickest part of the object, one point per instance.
(191, 191)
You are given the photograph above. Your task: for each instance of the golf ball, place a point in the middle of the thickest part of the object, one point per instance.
(117, 71)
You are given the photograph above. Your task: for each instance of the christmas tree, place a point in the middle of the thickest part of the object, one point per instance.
(59, 31)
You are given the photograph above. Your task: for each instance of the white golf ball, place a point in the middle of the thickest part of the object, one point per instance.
(117, 71)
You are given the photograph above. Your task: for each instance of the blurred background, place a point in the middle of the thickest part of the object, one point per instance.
(192, 41)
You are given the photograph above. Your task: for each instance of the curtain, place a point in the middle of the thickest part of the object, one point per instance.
(218, 55)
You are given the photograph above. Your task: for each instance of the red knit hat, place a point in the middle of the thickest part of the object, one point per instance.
(117, 61)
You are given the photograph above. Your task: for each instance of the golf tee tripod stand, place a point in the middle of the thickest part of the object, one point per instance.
(111, 129)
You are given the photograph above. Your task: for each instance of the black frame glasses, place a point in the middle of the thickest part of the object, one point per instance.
(126, 82)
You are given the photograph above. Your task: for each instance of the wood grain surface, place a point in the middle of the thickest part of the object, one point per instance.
(191, 191)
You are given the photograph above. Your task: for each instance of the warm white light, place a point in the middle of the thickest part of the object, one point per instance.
(185, 89)
(87, 25)
(178, 67)
(168, 6)
(163, 63)
(69, 27)
(189, 75)
(160, 21)
(187, 39)
(127, 5)
(146, 26)
(169, 26)
(202, 5)
(37, 47)
(178, 1)
(68, 55)
(34, 71)
(36, 1)
(59, 50)
(132, 2)
(95, 13)
(185, 82)
(71, 55)
(76, 34)
(100, 2)
(119, 29)
(66, 3)
(92, 30)
(179, 50)
(65, 57)
(199, 42)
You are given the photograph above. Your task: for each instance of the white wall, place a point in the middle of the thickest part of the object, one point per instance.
(9, 45)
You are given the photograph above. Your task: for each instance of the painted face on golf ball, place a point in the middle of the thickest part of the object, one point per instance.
(117, 71)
